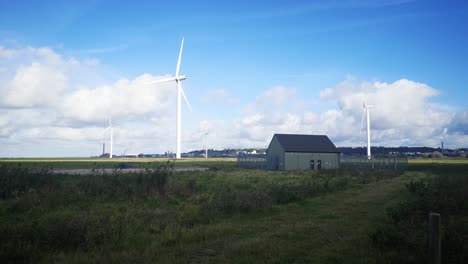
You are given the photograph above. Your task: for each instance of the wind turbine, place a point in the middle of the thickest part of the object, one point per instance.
(180, 92)
(365, 110)
(205, 134)
(111, 136)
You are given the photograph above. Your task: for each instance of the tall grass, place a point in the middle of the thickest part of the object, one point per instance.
(402, 238)
(46, 216)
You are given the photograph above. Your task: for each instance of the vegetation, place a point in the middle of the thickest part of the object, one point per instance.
(101, 163)
(403, 235)
(225, 215)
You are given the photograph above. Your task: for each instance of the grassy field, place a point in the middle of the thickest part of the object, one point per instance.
(220, 163)
(223, 215)
(439, 161)
(98, 163)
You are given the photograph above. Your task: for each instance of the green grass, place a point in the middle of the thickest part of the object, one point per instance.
(439, 166)
(223, 215)
(402, 236)
(438, 161)
(99, 163)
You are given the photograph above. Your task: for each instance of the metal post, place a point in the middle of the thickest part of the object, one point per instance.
(434, 238)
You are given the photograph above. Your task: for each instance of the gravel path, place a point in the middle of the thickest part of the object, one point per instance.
(109, 171)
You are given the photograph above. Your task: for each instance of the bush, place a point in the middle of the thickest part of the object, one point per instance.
(124, 165)
(16, 181)
(402, 238)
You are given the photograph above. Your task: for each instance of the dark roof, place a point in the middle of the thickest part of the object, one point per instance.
(306, 143)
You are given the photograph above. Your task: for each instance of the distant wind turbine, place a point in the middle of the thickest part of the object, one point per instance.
(365, 110)
(111, 136)
(205, 134)
(180, 92)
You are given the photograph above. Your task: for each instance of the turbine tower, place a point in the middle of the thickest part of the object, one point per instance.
(180, 92)
(365, 110)
(111, 136)
(205, 134)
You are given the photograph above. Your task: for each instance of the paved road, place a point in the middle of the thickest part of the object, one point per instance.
(109, 171)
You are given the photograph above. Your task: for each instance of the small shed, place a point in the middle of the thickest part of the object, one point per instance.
(301, 152)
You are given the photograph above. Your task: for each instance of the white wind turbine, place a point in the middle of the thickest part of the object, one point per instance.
(365, 110)
(180, 92)
(111, 136)
(205, 134)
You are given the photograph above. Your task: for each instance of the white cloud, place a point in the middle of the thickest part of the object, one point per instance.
(403, 114)
(459, 125)
(35, 85)
(49, 56)
(6, 53)
(220, 96)
(56, 106)
(52, 100)
(124, 98)
(271, 112)
(39, 77)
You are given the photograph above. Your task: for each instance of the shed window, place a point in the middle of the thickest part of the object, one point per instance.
(319, 164)
(312, 164)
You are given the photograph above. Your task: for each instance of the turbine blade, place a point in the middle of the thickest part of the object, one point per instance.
(362, 120)
(110, 122)
(180, 57)
(104, 131)
(179, 86)
(163, 80)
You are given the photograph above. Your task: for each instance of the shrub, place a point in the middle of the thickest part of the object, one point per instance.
(16, 181)
(405, 227)
(124, 165)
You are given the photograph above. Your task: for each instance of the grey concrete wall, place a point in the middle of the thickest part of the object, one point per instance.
(301, 161)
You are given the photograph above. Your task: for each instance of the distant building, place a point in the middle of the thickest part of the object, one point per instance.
(301, 152)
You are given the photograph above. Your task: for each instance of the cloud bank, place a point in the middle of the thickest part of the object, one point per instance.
(404, 114)
(56, 106)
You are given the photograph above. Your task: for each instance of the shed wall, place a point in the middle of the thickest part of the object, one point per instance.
(301, 161)
(275, 156)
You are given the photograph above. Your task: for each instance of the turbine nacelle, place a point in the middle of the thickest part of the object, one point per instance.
(181, 77)
(366, 106)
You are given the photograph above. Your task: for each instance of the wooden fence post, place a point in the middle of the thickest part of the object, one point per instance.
(434, 238)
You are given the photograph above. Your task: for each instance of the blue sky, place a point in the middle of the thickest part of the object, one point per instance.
(238, 55)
